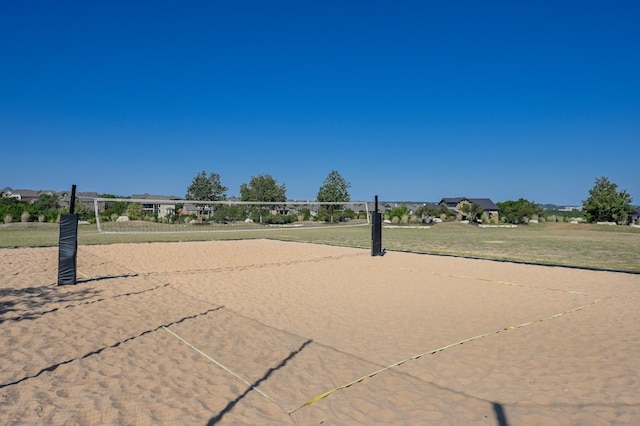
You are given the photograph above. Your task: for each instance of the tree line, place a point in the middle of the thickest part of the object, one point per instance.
(605, 202)
(265, 188)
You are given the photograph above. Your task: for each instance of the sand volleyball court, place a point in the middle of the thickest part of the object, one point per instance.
(269, 332)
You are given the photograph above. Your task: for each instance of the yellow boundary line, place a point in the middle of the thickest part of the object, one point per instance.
(195, 348)
(394, 365)
(434, 351)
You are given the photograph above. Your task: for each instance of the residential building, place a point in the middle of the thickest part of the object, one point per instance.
(488, 207)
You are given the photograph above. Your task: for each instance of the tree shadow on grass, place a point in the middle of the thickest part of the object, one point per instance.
(269, 372)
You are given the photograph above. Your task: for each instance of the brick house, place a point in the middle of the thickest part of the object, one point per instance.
(488, 207)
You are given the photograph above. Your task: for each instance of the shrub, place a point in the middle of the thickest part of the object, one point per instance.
(8, 218)
(398, 212)
(348, 213)
(134, 211)
(24, 217)
(278, 219)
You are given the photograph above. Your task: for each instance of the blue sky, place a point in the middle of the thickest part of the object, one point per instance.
(410, 100)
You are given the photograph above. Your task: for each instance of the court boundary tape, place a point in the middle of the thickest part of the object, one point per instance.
(195, 348)
(469, 277)
(434, 351)
(381, 370)
(225, 368)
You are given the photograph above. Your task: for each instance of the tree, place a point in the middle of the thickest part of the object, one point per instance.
(398, 212)
(11, 208)
(472, 211)
(334, 189)
(606, 204)
(45, 208)
(80, 209)
(206, 188)
(134, 211)
(263, 188)
(113, 209)
(428, 212)
(518, 211)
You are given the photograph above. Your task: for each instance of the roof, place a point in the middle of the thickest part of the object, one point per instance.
(26, 192)
(154, 197)
(485, 203)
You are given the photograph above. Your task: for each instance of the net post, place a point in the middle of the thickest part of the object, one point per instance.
(376, 231)
(68, 244)
(97, 214)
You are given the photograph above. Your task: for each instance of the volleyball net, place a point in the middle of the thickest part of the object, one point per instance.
(128, 215)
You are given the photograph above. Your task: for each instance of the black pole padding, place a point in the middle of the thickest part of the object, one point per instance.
(376, 232)
(72, 204)
(68, 249)
(68, 244)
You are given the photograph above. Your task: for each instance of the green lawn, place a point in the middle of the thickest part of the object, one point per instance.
(582, 245)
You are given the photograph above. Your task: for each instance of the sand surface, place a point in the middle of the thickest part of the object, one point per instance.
(257, 332)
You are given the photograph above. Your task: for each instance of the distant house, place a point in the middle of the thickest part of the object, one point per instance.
(86, 198)
(202, 211)
(27, 195)
(161, 205)
(488, 207)
(634, 217)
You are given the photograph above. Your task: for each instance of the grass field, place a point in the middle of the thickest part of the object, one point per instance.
(580, 245)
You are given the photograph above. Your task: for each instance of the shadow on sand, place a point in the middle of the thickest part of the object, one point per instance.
(31, 302)
(269, 372)
(53, 367)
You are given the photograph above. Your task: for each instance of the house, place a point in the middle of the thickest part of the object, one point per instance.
(160, 205)
(202, 211)
(86, 198)
(488, 207)
(27, 195)
(634, 217)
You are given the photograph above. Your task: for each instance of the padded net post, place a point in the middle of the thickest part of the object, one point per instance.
(67, 249)
(376, 232)
(68, 244)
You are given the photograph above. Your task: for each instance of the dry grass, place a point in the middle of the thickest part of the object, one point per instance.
(583, 245)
